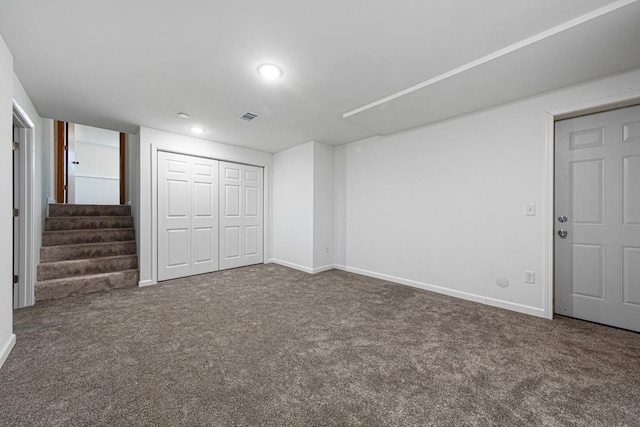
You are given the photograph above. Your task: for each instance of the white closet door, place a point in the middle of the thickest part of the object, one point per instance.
(204, 215)
(241, 215)
(187, 215)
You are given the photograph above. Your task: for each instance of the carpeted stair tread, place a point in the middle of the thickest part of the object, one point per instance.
(66, 210)
(87, 250)
(87, 222)
(82, 267)
(98, 235)
(71, 286)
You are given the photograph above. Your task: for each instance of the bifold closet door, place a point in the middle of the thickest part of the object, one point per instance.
(241, 215)
(187, 215)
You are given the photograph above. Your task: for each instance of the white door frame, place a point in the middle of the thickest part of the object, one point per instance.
(69, 163)
(154, 199)
(27, 267)
(594, 106)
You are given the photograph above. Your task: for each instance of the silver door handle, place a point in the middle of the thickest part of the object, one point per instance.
(563, 233)
(562, 218)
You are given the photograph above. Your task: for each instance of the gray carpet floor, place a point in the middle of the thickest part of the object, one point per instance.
(270, 346)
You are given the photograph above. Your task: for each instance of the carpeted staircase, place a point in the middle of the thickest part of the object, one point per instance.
(86, 248)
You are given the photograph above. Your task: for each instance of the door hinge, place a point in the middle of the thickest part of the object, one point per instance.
(66, 187)
(16, 212)
(16, 146)
(66, 148)
(16, 279)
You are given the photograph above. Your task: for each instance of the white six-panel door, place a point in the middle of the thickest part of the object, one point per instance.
(241, 215)
(187, 215)
(597, 218)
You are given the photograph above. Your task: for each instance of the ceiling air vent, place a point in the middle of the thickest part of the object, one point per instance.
(248, 116)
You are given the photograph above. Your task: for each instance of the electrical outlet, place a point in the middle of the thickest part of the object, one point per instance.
(530, 210)
(529, 277)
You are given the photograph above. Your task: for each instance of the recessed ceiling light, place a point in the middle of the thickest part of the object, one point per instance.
(270, 71)
(197, 130)
(184, 116)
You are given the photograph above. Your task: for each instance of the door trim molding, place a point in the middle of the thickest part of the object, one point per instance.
(123, 170)
(27, 269)
(620, 100)
(60, 139)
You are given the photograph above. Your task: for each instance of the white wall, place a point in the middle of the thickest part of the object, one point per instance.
(340, 205)
(293, 207)
(97, 160)
(47, 161)
(323, 207)
(442, 207)
(97, 174)
(133, 182)
(7, 338)
(150, 142)
(303, 207)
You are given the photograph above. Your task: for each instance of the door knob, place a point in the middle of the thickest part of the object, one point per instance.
(562, 218)
(563, 233)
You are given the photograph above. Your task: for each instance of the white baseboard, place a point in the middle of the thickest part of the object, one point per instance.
(520, 308)
(6, 349)
(291, 265)
(144, 283)
(323, 268)
(301, 267)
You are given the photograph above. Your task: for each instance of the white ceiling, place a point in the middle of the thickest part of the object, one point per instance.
(602, 43)
(123, 64)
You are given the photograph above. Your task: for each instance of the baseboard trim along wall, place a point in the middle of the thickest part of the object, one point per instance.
(291, 265)
(301, 267)
(323, 268)
(144, 283)
(525, 309)
(520, 308)
(6, 349)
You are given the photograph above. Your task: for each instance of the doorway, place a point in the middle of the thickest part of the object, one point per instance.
(90, 165)
(597, 217)
(22, 207)
(16, 212)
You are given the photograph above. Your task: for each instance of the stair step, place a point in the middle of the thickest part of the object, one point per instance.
(71, 286)
(82, 267)
(63, 209)
(86, 250)
(98, 235)
(87, 222)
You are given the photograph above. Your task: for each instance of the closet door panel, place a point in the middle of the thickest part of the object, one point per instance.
(241, 215)
(173, 216)
(204, 220)
(187, 215)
